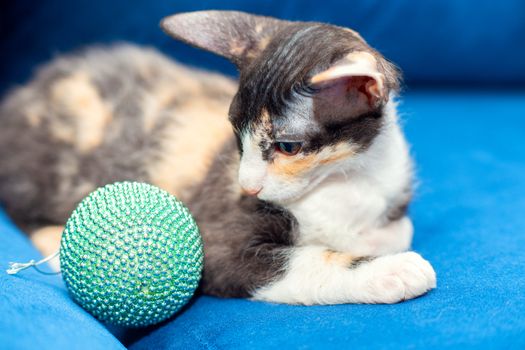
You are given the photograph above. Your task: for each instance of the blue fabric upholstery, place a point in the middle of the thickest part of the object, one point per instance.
(35, 310)
(437, 41)
(468, 211)
(469, 221)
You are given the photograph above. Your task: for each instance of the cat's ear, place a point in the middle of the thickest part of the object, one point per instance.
(238, 36)
(361, 81)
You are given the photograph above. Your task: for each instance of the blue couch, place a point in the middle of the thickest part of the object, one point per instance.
(464, 114)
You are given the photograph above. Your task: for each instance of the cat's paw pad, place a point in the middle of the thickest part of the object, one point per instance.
(399, 277)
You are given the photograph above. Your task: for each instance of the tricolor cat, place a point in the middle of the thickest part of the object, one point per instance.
(299, 175)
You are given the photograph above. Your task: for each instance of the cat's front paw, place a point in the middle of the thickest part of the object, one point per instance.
(394, 278)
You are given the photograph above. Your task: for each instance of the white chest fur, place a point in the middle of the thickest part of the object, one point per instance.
(353, 201)
(336, 212)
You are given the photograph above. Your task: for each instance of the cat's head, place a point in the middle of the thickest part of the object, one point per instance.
(310, 96)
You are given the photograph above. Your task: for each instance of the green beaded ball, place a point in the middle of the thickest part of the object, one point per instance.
(131, 254)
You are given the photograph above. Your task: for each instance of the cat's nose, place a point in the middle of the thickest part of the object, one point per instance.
(251, 191)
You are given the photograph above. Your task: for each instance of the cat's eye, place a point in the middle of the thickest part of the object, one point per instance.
(288, 148)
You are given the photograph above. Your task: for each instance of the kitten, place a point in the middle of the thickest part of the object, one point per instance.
(303, 201)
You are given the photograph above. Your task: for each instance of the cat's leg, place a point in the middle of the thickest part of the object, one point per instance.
(316, 275)
(395, 237)
(47, 240)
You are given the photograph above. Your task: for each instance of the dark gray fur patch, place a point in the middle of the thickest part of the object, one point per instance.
(360, 261)
(398, 208)
(246, 241)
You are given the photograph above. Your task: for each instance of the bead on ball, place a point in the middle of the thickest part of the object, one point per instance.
(131, 254)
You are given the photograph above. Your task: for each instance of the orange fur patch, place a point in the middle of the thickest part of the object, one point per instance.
(265, 125)
(293, 165)
(338, 258)
(189, 146)
(197, 126)
(34, 113)
(76, 97)
(296, 165)
(341, 151)
(261, 45)
(237, 48)
(47, 241)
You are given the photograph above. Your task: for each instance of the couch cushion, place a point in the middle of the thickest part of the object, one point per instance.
(470, 223)
(36, 311)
